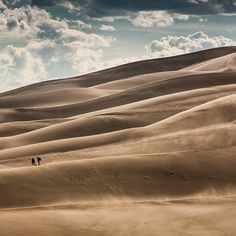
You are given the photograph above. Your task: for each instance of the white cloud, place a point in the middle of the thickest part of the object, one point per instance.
(171, 46)
(180, 16)
(37, 23)
(84, 59)
(174, 45)
(228, 14)
(156, 18)
(79, 24)
(197, 1)
(203, 19)
(104, 19)
(21, 22)
(40, 44)
(110, 18)
(118, 61)
(147, 18)
(2, 6)
(107, 28)
(19, 66)
(70, 6)
(51, 47)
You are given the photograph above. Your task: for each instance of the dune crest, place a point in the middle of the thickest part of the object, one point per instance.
(222, 64)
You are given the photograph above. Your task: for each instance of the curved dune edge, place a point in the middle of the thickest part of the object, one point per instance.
(217, 115)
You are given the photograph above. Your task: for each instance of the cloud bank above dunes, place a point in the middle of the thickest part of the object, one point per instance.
(42, 40)
(21, 66)
(173, 45)
(48, 43)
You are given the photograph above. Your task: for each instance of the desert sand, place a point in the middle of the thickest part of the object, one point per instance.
(146, 148)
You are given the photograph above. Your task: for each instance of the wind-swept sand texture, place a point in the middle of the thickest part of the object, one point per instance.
(146, 148)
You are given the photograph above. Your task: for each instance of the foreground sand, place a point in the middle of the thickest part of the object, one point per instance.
(176, 217)
(147, 148)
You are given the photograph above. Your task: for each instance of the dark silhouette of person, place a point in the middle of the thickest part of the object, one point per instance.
(39, 160)
(33, 162)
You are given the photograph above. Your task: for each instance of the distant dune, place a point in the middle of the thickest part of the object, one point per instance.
(153, 139)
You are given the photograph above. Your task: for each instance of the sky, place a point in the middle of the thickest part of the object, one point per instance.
(50, 39)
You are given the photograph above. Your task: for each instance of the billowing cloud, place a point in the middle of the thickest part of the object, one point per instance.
(173, 45)
(107, 28)
(111, 18)
(23, 21)
(105, 19)
(18, 67)
(156, 18)
(70, 6)
(51, 47)
(79, 24)
(84, 59)
(2, 6)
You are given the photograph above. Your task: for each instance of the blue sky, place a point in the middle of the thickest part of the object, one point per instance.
(48, 39)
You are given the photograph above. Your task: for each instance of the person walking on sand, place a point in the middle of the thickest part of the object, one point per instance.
(33, 162)
(39, 160)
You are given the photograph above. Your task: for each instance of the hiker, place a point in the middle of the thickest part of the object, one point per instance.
(33, 162)
(39, 160)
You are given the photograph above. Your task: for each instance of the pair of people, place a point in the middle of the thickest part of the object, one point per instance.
(34, 162)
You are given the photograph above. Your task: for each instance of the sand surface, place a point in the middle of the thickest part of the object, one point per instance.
(146, 148)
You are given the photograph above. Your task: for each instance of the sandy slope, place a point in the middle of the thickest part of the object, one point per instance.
(120, 144)
(179, 217)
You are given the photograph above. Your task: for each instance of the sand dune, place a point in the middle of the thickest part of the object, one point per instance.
(52, 98)
(221, 64)
(155, 137)
(155, 89)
